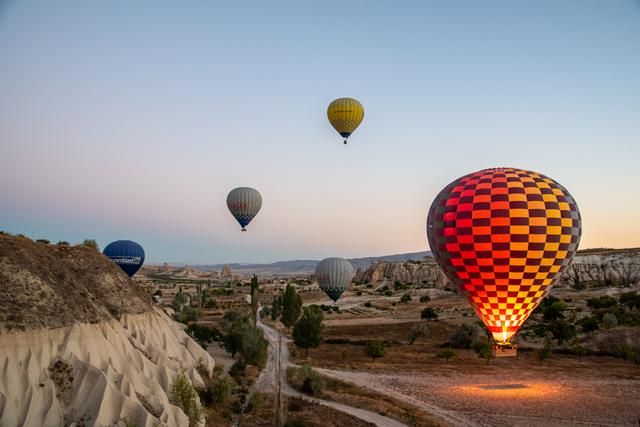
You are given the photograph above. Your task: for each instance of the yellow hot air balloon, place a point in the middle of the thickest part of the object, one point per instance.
(345, 115)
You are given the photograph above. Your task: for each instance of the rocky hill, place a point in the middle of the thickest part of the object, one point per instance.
(81, 344)
(591, 268)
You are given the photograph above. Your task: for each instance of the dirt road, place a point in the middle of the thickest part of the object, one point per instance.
(273, 379)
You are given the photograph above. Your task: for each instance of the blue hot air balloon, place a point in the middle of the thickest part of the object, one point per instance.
(127, 254)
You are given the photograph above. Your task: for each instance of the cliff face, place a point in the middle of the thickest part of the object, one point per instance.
(590, 268)
(418, 272)
(80, 343)
(604, 268)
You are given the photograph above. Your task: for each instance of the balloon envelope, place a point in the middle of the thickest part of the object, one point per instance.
(504, 236)
(244, 203)
(345, 115)
(127, 254)
(334, 276)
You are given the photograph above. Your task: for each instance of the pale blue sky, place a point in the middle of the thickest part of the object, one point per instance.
(133, 120)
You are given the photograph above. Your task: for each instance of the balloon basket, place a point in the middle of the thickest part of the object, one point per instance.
(505, 350)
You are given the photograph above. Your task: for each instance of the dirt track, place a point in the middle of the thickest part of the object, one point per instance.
(274, 378)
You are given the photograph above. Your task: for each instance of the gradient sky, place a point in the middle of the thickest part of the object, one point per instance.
(133, 120)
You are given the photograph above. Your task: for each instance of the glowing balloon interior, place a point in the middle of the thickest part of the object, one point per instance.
(127, 254)
(504, 236)
(345, 115)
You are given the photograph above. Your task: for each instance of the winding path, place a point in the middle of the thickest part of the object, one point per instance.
(273, 379)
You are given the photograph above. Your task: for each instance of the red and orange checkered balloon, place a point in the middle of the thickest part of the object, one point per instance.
(504, 236)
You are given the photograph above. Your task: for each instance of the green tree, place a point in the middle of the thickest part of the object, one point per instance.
(554, 311)
(307, 332)
(185, 396)
(91, 243)
(609, 320)
(276, 307)
(429, 314)
(483, 349)
(543, 353)
(374, 349)
(446, 354)
(588, 324)
(405, 298)
(425, 298)
(291, 306)
(254, 298)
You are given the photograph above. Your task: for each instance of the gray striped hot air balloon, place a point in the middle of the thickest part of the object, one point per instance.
(334, 276)
(244, 203)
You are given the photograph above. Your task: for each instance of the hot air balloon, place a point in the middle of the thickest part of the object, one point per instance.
(244, 204)
(334, 276)
(504, 236)
(127, 254)
(345, 115)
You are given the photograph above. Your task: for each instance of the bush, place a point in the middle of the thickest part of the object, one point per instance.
(543, 353)
(311, 381)
(429, 314)
(554, 311)
(419, 330)
(203, 334)
(405, 298)
(359, 293)
(630, 299)
(588, 324)
(63, 243)
(211, 303)
(91, 244)
(603, 302)
(425, 298)
(186, 315)
(609, 321)
(562, 331)
(237, 369)
(374, 349)
(218, 392)
(388, 293)
(45, 241)
(185, 396)
(367, 304)
(483, 349)
(464, 336)
(446, 354)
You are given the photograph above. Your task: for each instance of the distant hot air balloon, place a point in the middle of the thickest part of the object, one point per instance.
(334, 276)
(345, 115)
(127, 254)
(244, 204)
(504, 236)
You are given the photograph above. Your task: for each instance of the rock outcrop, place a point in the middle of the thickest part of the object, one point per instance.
(426, 271)
(81, 344)
(589, 268)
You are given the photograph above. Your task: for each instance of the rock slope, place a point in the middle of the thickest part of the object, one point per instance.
(81, 345)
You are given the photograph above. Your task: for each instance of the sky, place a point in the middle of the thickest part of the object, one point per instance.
(133, 120)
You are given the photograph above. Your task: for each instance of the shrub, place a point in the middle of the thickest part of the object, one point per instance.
(630, 299)
(543, 353)
(554, 311)
(588, 324)
(464, 336)
(45, 241)
(185, 396)
(218, 392)
(446, 354)
(405, 298)
(562, 331)
(609, 321)
(211, 303)
(388, 292)
(237, 369)
(367, 304)
(374, 349)
(186, 315)
(203, 334)
(359, 293)
(311, 381)
(419, 330)
(483, 349)
(425, 298)
(91, 244)
(429, 314)
(62, 243)
(604, 301)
